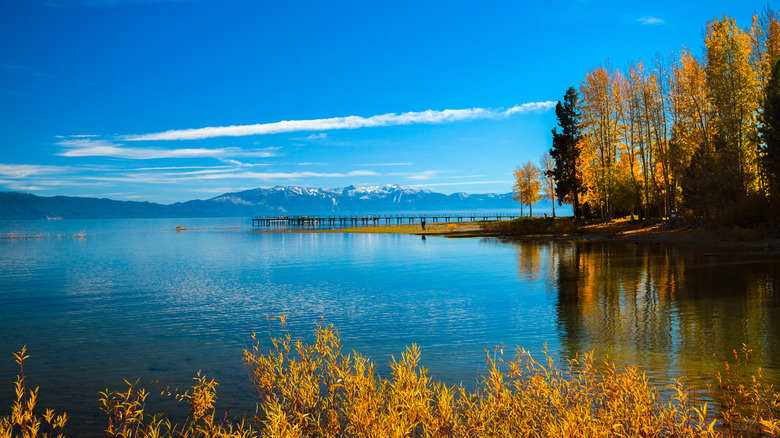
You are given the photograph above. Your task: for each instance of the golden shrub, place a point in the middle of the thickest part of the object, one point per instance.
(314, 390)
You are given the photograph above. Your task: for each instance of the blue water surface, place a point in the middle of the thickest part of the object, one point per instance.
(97, 302)
(100, 301)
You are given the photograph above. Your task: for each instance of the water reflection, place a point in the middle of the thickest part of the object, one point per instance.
(674, 311)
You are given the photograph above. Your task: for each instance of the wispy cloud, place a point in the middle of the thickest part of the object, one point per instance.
(220, 190)
(462, 183)
(384, 164)
(530, 107)
(650, 21)
(313, 164)
(426, 174)
(85, 147)
(29, 188)
(351, 122)
(17, 171)
(179, 168)
(275, 175)
(218, 174)
(76, 136)
(241, 163)
(319, 136)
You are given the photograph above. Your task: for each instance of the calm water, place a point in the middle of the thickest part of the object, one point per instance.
(135, 299)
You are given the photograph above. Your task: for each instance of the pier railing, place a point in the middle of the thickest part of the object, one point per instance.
(380, 219)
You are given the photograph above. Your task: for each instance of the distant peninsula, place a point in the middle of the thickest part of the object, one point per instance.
(260, 201)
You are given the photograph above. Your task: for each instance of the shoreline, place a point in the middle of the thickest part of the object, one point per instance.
(655, 232)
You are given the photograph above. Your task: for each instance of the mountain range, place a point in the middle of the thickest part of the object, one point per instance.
(258, 202)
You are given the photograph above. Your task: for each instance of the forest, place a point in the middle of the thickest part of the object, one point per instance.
(676, 136)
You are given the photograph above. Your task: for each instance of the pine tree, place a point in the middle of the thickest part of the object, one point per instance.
(769, 130)
(566, 152)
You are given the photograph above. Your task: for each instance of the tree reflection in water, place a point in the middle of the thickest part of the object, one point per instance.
(673, 311)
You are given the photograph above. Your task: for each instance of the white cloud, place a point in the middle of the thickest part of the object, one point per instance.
(351, 122)
(279, 175)
(83, 147)
(531, 107)
(17, 171)
(385, 164)
(313, 164)
(28, 188)
(180, 168)
(218, 174)
(650, 20)
(319, 136)
(237, 163)
(426, 174)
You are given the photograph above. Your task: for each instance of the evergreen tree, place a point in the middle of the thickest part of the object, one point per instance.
(769, 130)
(566, 153)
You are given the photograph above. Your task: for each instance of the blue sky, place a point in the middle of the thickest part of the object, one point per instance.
(113, 98)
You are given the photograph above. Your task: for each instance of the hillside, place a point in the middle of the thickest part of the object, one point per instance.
(256, 202)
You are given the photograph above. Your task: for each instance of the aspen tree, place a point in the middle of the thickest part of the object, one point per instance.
(526, 188)
(547, 171)
(734, 93)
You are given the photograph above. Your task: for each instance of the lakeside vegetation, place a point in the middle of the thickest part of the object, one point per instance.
(681, 134)
(315, 390)
(677, 232)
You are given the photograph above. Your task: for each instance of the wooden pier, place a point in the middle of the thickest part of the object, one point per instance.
(380, 219)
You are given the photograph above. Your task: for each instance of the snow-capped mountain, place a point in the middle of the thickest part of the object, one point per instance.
(354, 199)
(258, 202)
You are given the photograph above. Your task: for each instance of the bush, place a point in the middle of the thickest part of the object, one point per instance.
(526, 226)
(314, 390)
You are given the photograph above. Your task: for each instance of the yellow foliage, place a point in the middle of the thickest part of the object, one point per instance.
(526, 187)
(314, 390)
(23, 422)
(127, 415)
(747, 403)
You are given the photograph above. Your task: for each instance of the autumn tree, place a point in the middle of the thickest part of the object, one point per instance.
(526, 188)
(734, 93)
(765, 41)
(692, 146)
(565, 151)
(692, 115)
(660, 119)
(547, 168)
(601, 115)
(632, 137)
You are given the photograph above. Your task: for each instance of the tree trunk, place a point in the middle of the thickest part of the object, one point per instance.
(577, 216)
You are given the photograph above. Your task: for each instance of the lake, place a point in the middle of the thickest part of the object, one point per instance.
(100, 301)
